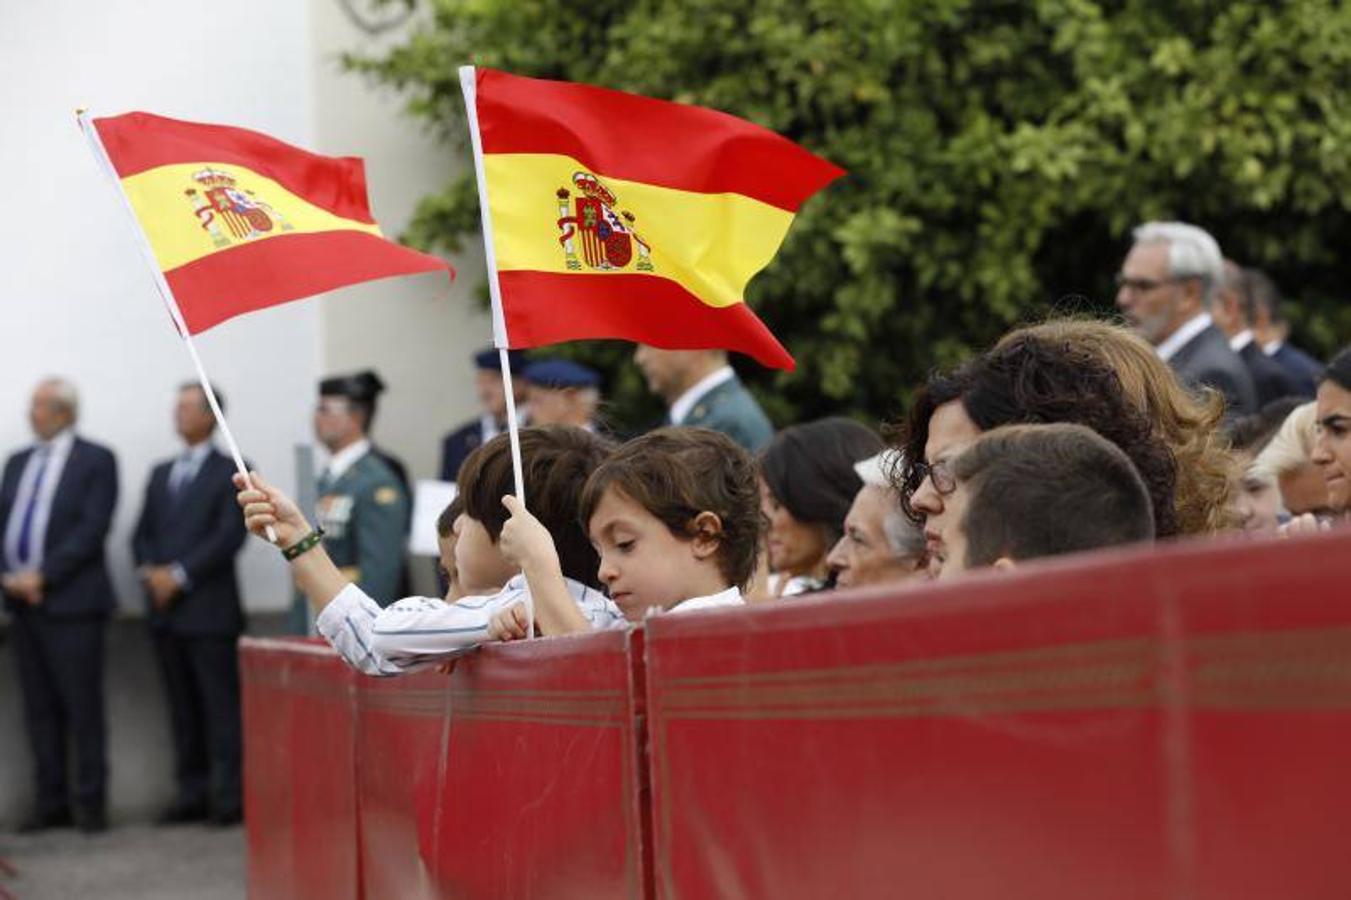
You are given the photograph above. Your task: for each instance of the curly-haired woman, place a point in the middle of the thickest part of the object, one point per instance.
(1026, 379)
(1191, 424)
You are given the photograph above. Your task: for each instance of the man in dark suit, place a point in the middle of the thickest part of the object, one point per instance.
(185, 544)
(700, 389)
(56, 504)
(490, 389)
(1166, 287)
(1232, 312)
(1272, 330)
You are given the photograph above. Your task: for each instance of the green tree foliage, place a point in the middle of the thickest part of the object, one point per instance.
(999, 154)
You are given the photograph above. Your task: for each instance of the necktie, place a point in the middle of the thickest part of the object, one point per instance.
(178, 475)
(30, 510)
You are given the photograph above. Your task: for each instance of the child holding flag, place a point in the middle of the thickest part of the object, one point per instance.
(675, 516)
(418, 632)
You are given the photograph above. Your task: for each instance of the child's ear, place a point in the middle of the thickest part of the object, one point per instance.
(707, 530)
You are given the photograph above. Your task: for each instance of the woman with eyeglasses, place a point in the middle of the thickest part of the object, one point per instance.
(1024, 380)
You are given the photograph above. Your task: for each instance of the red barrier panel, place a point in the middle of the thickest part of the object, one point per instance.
(517, 776)
(299, 790)
(530, 786)
(1168, 724)
(401, 758)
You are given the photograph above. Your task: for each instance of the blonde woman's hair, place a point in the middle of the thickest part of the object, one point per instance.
(1189, 424)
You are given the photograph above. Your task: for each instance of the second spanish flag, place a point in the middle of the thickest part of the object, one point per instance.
(614, 215)
(239, 221)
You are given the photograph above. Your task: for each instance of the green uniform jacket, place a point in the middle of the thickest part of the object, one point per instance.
(364, 514)
(731, 409)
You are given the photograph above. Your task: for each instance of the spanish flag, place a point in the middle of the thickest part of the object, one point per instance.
(239, 221)
(609, 215)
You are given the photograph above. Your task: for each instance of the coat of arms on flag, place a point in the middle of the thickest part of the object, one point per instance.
(218, 195)
(607, 238)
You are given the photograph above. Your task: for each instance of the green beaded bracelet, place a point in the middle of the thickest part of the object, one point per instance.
(308, 542)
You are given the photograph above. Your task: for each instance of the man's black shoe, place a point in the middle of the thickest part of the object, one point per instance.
(91, 821)
(183, 813)
(42, 821)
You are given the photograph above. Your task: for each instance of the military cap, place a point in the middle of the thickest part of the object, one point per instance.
(487, 360)
(561, 373)
(363, 387)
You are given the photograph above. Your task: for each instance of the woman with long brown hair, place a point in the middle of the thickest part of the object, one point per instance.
(1189, 424)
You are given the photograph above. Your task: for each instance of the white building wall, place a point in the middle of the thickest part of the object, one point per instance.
(417, 332)
(77, 299)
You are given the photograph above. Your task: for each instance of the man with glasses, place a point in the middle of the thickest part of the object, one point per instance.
(1165, 290)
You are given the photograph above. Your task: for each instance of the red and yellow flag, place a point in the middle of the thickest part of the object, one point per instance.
(239, 221)
(614, 215)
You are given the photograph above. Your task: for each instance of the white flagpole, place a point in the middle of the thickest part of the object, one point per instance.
(101, 155)
(469, 87)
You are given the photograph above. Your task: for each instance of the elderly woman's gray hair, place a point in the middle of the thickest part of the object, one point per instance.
(905, 538)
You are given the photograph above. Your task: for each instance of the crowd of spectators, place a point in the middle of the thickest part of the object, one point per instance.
(1192, 417)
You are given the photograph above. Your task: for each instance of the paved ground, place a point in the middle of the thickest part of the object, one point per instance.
(128, 861)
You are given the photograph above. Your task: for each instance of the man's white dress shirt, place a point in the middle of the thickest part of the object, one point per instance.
(344, 459)
(1241, 340)
(680, 410)
(1183, 336)
(54, 454)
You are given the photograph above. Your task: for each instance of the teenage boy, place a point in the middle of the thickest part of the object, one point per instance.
(1026, 491)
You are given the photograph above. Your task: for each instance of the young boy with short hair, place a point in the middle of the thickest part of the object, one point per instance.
(675, 517)
(1023, 492)
(419, 632)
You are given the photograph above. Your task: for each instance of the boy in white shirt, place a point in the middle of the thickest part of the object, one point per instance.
(675, 516)
(419, 632)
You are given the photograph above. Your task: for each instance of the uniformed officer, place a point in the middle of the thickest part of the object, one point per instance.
(371, 385)
(363, 507)
(701, 390)
(562, 392)
(492, 399)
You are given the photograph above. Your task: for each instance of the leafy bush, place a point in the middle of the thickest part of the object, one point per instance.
(999, 154)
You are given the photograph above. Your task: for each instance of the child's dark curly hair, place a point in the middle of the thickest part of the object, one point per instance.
(677, 473)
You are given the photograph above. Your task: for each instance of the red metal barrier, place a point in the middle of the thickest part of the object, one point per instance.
(542, 793)
(1171, 724)
(517, 776)
(299, 790)
(1167, 724)
(401, 758)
